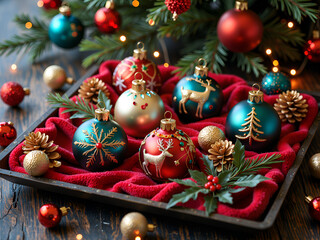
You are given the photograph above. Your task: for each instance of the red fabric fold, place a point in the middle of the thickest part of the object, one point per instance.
(129, 177)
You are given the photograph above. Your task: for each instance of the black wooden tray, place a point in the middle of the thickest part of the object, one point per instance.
(145, 205)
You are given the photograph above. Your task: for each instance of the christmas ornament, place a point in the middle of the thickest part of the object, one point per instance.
(55, 77)
(39, 141)
(221, 154)
(65, 30)
(36, 163)
(7, 133)
(274, 83)
(51, 4)
(124, 73)
(312, 47)
(50, 214)
(254, 122)
(167, 152)
(99, 144)
(135, 226)
(314, 165)
(291, 106)
(13, 94)
(107, 19)
(177, 7)
(314, 207)
(209, 135)
(89, 90)
(197, 96)
(138, 110)
(239, 29)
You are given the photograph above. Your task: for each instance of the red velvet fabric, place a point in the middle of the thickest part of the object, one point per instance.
(130, 179)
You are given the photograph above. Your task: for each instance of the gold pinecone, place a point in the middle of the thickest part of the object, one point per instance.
(89, 90)
(291, 106)
(39, 141)
(221, 154)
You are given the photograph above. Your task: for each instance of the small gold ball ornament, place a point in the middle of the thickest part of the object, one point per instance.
(134, 225)
(36, 163)
(314, 165)
(55, 77)
(209, 135)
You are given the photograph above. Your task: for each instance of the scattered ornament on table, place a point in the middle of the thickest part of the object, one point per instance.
(291, 106)
(177, 7)
(274, 83)
(125, 71)
(12, 93)
(50, 214)
(7, 133)
(138, 110)
(135, 226)
(39, 141)
(107, 19)
(240, 29)
(99, 144)
(167, 152)
(89, 90)
(209, 135)
(314, 165)
(65, 30)
(221, 154)
(51, 4)
(36, 163)
(312, 48)
(254, 122)
(197, 96)
(314, 207)
(55, 77)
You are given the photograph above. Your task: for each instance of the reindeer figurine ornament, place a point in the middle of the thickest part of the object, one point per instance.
(198, 96)
(167, 152)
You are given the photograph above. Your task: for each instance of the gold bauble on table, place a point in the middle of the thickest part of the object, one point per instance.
(134, 225)
(209, 135)
(55, 77)
(36, 163)
(314, 165)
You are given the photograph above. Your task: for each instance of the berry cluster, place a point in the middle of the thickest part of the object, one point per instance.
(213, 183)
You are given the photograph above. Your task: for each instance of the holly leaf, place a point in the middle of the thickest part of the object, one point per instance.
(186, 195)
(224, 196)
(104, 101)
(236, 190)
(250, 180)
(210, 170)
(224, 177)
(200, 177)
(210, 203)
(238, 154)
(186, 182)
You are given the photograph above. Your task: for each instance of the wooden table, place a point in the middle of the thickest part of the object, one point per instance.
(19, 204)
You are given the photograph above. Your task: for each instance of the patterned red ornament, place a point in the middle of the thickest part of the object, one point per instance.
(167, 152)
(124, 73)
(51, 4)
(177, 7)
(312, 48)
(50, 215)
(314, 207)
(12, 93)
(7, 133)
(107, 19)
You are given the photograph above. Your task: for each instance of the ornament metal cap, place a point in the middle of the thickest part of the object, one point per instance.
(201, 70)
(168, 124)
(110, 4)
(65, 210)
(308, 199)
(140, 53)
(138, 85)
(255, 96)
(70, 80)
(26, 91)
(241, 5)
(316, 34)
(102, 114)
(65, 9)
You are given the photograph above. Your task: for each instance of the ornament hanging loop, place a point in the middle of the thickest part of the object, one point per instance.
(140, 45)
(140, 53)
(138, 85)
(201, 70)
(166, 113)
(255, 96)
(168, 124)
(257, 86)
(204, 62)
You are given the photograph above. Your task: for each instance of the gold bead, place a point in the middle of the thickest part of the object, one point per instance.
(209, 135)
(314, 165)
(55, 77)
(36, 163)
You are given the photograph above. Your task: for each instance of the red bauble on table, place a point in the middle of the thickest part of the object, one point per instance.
(124, 73)
(7, 133)
(51, 4)
(177, 7)
(312, 48)
(239, 29)
(107, 19)
(314, 207)
(50, 215)
(12, 93)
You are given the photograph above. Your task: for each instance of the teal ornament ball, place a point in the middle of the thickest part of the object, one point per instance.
(65, 30)
(275, 83)
(197, 96)
(254, 122)
(99, 144)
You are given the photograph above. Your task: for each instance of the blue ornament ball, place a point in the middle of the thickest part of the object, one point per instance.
(275, 83)
(66, 31)
(99, 145)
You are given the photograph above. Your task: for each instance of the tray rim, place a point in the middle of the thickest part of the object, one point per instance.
(146, 205)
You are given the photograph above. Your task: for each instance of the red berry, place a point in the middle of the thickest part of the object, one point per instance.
(218, 187)
(207, 186)
(99, 145)
(212, 188)
(210, 177)
(210, 183)
(215, 180)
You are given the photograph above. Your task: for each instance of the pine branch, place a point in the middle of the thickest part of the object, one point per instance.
(187, 62)
(250, 62)
(159, 13)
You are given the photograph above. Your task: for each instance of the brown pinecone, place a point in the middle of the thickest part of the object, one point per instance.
(291, 106)
(89, 90)
(221, 154)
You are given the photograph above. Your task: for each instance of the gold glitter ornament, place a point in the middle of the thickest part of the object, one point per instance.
(314, 165)
(55, 77)
(209, 135)
(36, 163)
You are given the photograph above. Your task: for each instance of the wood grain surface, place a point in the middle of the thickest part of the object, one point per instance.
(19, 204)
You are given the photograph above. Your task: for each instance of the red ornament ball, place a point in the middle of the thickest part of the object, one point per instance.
(314, 207)
(107, 20)
(12, 93)
(178, 6)
(51, 4)
(312, 50)
(240, 31)
(7, 133)
(49, 215)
